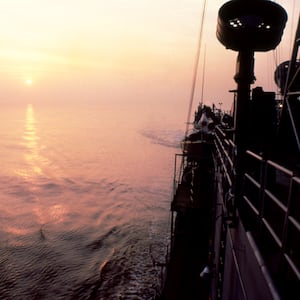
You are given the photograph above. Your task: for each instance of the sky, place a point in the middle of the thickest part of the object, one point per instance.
(132, 51)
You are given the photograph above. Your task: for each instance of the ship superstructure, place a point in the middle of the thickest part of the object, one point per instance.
(236, 207)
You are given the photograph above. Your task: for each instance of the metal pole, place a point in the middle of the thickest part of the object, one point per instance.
(244, 78)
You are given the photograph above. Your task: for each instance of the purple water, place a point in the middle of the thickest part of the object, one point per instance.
(84, 203)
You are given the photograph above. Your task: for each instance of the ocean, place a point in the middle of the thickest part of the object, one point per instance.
(85, 200)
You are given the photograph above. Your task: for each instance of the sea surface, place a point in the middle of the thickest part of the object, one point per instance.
(85, 193)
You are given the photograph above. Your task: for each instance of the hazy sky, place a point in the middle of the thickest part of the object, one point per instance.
(130, 50)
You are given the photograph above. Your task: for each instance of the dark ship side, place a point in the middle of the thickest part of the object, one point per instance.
(235, 231)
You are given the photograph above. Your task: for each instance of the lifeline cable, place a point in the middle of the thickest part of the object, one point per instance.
(195, 70)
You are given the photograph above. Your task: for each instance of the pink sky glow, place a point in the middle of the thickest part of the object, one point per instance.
(120, 50)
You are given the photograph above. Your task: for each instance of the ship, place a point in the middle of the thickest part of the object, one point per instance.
(235, 209)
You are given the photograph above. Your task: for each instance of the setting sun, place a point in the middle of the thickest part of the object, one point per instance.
(28, 81)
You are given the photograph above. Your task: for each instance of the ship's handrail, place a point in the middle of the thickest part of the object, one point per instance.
(181, 162)
(178, 170)
(225, 155)
(276, 211)
(225, 152)
(269, 208)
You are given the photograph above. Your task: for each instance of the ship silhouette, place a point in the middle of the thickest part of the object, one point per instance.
(235, 210)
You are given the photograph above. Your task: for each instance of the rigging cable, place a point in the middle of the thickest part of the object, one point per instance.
(203, 75)
(195, 70)
(292, 26)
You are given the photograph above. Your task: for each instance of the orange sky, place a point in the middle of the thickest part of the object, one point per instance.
(118, 49)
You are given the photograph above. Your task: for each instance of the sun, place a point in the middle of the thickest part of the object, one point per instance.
(28, 81)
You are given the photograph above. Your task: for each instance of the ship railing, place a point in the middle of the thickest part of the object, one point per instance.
(184, 163)
(225, 152)
(271, 211)
(187, 160)
(180, 163)
(269, 208)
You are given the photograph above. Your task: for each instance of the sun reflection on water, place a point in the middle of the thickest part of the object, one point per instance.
(54, 214)
(31, 142)
(40, 181)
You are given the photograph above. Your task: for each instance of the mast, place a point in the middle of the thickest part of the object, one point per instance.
(247, 26)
